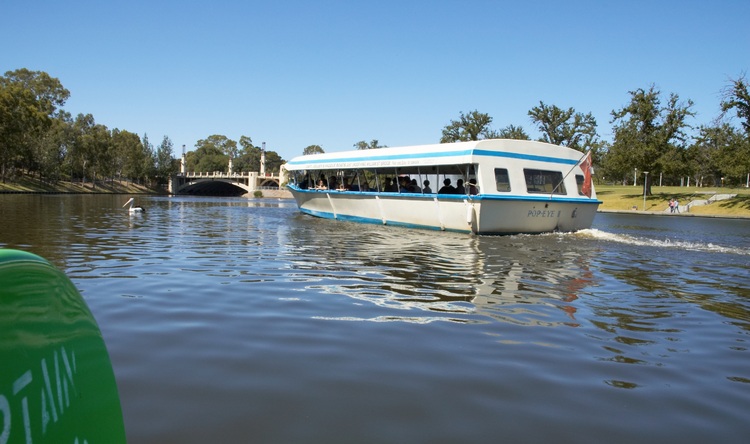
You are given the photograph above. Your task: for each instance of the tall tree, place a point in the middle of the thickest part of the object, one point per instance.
(246, 142)
(52, 148)
(471, 126)
(273, 162)
(312, 149)
(737, 97)
(564, 127)
(130, 154)
(210, 155)
(647, 135)
(29, 101)
(720, 155)
(165, 165)
(144, 160)
(248, 158)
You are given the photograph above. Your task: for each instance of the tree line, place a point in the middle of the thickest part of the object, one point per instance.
(651, 133)
(39, 138)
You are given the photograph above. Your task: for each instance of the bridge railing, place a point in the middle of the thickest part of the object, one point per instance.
(222, 174)
(215, 174)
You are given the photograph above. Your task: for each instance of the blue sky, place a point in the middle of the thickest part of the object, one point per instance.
(332, 73)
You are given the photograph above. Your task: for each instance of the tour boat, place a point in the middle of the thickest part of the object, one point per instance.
(508, 186)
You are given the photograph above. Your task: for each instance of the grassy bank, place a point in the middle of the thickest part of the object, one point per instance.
(625, 198)
(31, 185)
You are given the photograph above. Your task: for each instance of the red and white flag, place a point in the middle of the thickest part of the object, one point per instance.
(586, 167)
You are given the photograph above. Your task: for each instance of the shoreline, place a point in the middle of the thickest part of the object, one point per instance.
(132, 189)
(663, 214)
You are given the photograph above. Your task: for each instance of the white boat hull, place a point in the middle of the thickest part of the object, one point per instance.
(476, 214)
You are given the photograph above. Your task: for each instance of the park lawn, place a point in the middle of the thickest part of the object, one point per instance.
(622, 198)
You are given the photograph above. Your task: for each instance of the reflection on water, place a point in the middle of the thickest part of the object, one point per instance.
(242, 320)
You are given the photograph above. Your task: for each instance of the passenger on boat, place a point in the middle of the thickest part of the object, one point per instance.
(427, 189)
(447, 188)
(473, 186)
(345, 185)
(322, 183)
(391, 186)
(460, 187)
(414, 187)
(403, 185)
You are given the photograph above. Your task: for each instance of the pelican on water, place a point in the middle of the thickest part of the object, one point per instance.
(134, 209)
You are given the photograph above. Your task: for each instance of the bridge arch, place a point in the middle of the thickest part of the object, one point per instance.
(213, 187)
(265, 182)
(223, 184)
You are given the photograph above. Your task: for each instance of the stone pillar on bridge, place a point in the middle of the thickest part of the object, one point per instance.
(283, 175)
(263, 160)
(183, 161)
(230, 165)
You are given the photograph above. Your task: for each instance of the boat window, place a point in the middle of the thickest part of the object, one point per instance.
(501, 178)
(542, 181)
(579, 182)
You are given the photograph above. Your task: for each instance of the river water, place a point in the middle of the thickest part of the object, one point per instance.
(235, 320)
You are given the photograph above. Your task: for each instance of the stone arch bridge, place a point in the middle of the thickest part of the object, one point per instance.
(220, 183)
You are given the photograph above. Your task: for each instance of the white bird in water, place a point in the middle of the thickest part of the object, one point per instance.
(134, 209)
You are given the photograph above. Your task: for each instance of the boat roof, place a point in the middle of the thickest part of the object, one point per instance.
(437, 154)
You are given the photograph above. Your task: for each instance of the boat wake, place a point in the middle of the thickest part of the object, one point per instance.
(663, 243)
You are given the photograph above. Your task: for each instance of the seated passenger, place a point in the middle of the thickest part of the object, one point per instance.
(447, 188)
(391, 186)
(403, 185)
(473, 186)
(345, 185)
(322, 183)
(414, 187)
(427, 189)
(460, 187)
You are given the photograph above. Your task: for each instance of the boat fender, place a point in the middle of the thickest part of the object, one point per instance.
(469, 213)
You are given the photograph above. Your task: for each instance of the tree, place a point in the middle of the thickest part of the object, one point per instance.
(165, 165)
(52, 148)
(511, 132)
(211, 155)
(29, 101)
(81, 148)
(720, 154)
(648, 135)
(736, 97)
(144, 160)
(220, 142)
(273, 161)
(248, 158)
(362, 145)
(246, 142)
(312, 149)
(471, 126)
(564, 127)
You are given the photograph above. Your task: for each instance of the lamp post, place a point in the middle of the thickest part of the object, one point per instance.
(645, 187)
(635, 177)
